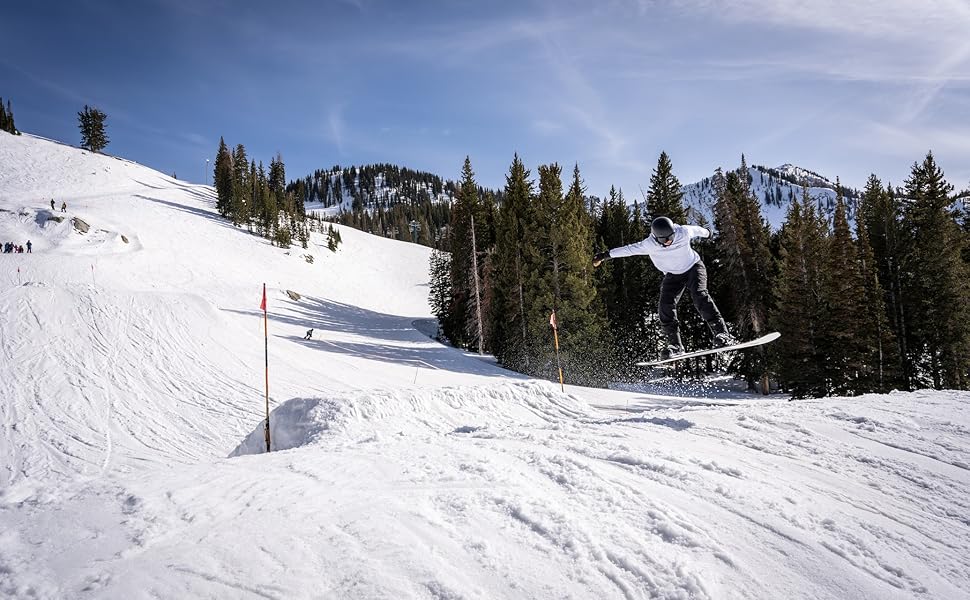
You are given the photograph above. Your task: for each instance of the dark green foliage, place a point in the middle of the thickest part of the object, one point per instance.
(665, 198)
(743, 242)
(880, 212)
(93, 135)
(6, 118)
(935, 283)
(385, 200)
(241, 187)
(848, 335)
(223, 179)
(247, 197)
(882, 355)
(440, 284)
(628, 287)
(800, 313)
(559, 277)
(508, 320)
(467, 259)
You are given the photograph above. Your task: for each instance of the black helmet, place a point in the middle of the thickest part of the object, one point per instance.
(662, 230)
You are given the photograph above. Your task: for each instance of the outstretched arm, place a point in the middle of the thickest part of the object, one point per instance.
(696, 231)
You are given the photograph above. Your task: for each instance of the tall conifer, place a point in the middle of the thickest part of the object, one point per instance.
(461, 325)
(91, 123)
(743, 246)
(509, 325)
(935, 283)
(223, 179)
(848, 334)
(562, 281)
(799, 297)
(885, 371)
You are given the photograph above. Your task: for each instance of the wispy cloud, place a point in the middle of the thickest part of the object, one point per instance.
(924, 46)
(876, 19)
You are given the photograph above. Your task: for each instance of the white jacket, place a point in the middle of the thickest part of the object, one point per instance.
(676, 258)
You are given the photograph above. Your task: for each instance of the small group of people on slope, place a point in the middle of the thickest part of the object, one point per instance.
(668, 247)
(11, 248)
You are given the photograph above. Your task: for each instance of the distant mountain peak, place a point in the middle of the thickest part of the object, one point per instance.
(775, 188)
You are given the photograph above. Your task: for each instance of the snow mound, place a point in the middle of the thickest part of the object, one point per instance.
(53, 231)
(479, 410)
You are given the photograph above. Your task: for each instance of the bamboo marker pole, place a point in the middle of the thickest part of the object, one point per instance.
(555, 335)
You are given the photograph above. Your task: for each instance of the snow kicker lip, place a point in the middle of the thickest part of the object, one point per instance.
(301, 422)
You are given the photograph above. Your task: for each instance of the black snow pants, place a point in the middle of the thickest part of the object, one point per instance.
(671, 289)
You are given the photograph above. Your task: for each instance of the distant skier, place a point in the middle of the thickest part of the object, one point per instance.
(309, 334)
(52, 204)
(668, 246)
(29, 246)
(63, 206)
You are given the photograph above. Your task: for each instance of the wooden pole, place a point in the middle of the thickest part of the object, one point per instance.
(555, 335)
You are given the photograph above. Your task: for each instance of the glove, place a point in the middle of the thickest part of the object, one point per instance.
(599, 257)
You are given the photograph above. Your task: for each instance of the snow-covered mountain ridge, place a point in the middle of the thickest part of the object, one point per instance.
(132, 366)
(775, 188)
(329, 192)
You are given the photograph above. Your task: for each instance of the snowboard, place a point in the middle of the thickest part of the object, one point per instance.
(751, 344)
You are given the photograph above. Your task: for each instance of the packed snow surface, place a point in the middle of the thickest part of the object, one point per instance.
(133, 463)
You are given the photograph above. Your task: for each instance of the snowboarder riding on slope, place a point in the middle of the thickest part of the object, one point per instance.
(668, 246)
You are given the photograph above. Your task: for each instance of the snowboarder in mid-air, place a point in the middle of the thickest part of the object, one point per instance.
(668, 246)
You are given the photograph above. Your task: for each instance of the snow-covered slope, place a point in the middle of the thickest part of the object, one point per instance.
(131, 399)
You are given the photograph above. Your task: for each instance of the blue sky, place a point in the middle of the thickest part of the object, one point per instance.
(843, 89)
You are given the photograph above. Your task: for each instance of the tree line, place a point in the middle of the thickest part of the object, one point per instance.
(879, 306)
(385, 200)
(251, 197)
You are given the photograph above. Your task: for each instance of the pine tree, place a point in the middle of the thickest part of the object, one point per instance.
(848, 335)
(665, 197)
(508, 323)
(743, 246)
(799, 297)
(935, 285)
(6, 118)
(461, 325)
(241, 189)
(880, 217)
(884, 373)
(93, 135)
(223, 178)
(253, 207)
(557, 247)
(440, 284)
